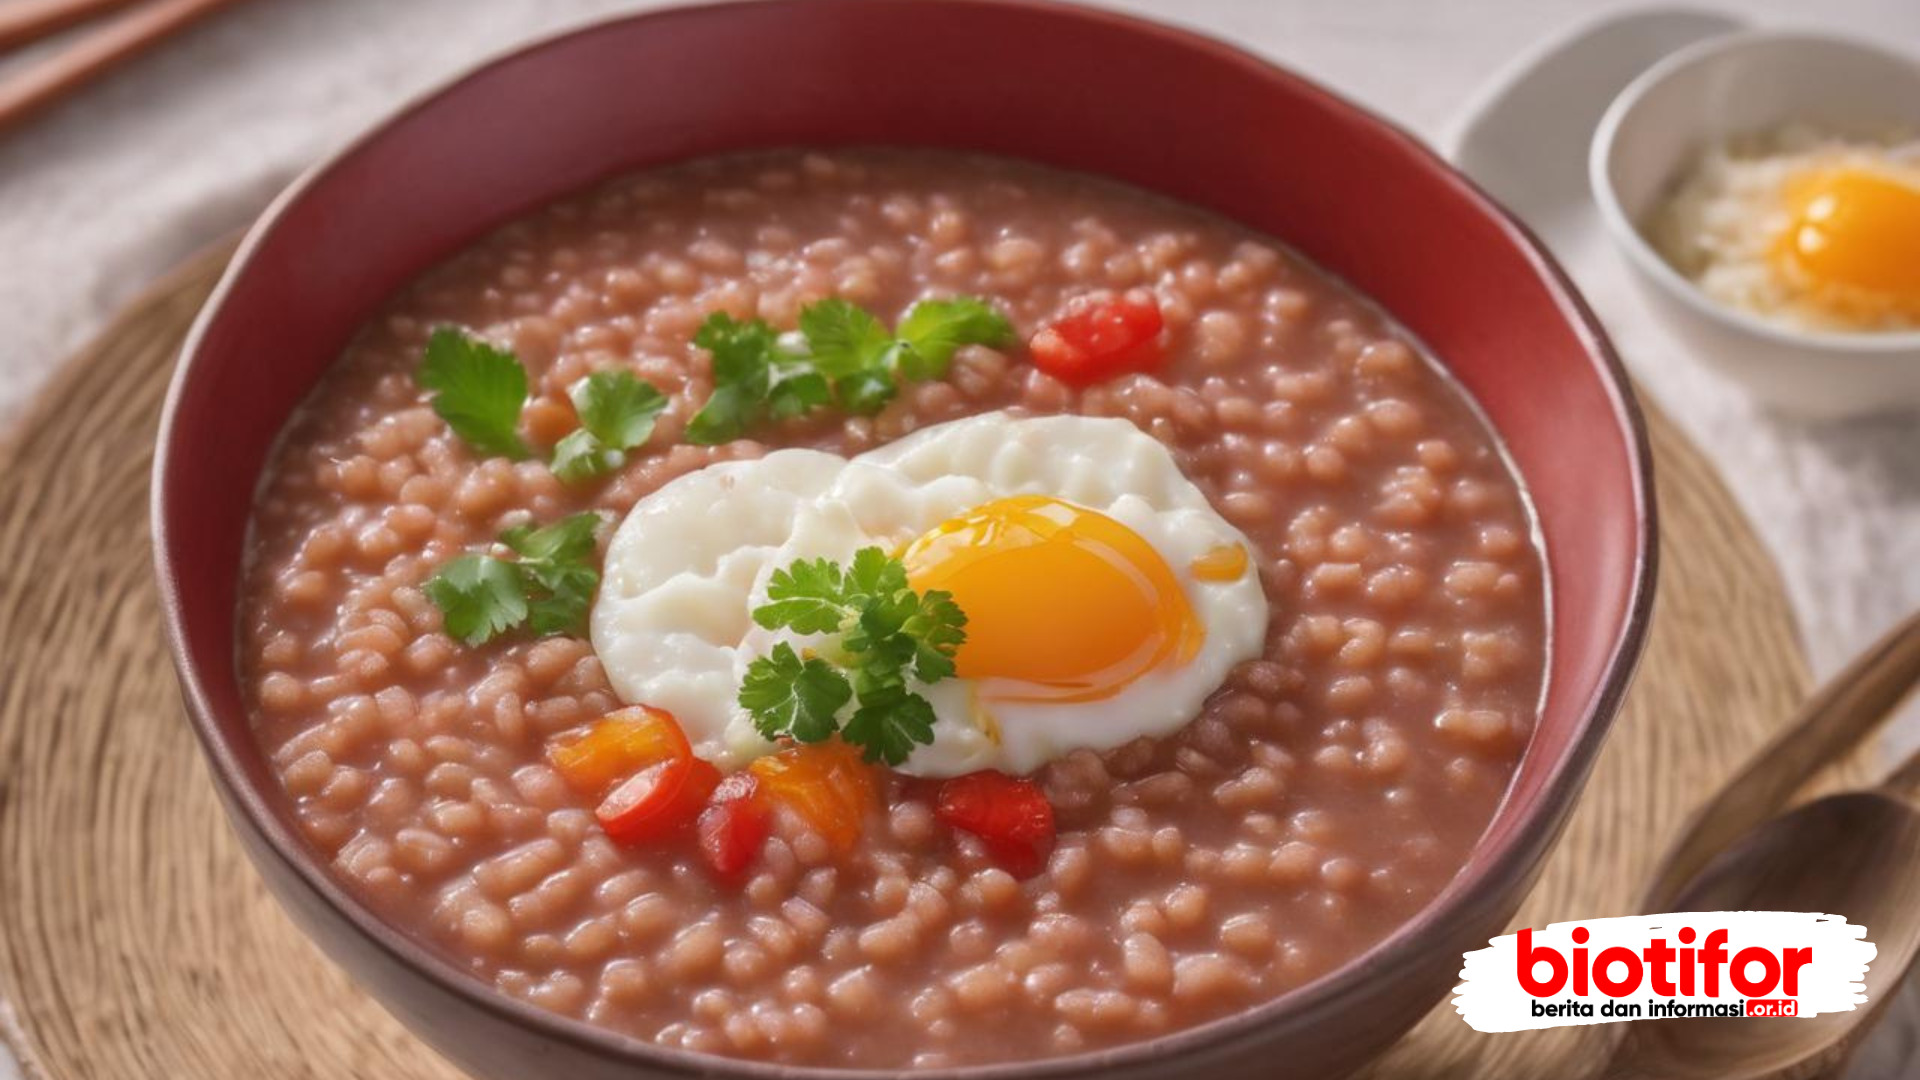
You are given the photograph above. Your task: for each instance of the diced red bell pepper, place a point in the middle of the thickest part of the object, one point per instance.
(1096, 341)
(734, 826)
(659, 801)
(1009, 814)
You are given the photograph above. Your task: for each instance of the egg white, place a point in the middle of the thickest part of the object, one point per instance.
(673, 628)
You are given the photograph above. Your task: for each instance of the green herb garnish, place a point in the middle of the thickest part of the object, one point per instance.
(845, 357)
(548, 588)
(935, 329)
(884, 634)
(480, 597)
(742, 373)
(791, 696)
(617, 412)
(479, 391)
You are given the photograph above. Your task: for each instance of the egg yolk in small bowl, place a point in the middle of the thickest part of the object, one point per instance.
(1851, 245)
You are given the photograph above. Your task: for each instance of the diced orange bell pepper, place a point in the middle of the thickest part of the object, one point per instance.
(826, 783)
(618, 746)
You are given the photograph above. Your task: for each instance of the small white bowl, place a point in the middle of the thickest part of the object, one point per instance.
(1742, 83)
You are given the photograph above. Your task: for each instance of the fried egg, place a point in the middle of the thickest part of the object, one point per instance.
(1105, 597)
(1803, 227)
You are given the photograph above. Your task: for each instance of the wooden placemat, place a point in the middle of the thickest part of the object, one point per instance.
(136, 941)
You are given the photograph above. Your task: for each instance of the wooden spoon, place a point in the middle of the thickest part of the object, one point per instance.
(22, 21)
(1854, 854)
(1832, 722)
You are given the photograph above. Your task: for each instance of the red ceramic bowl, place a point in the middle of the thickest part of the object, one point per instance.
(1156, 107)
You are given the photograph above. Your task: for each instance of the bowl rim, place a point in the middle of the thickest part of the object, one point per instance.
(1509, 856)
(1895, 345)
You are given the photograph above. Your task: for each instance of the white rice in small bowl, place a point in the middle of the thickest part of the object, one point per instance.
(1800, 226)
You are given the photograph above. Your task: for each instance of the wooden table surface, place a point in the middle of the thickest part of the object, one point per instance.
(100, 195)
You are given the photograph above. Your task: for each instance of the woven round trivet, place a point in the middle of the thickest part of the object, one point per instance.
(136, 941)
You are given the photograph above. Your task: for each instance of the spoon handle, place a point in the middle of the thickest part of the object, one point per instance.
(24, 21)
(1905, 780)
(41, 84)
(1838, 715)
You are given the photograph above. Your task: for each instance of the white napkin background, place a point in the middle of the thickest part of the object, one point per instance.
(173, 152)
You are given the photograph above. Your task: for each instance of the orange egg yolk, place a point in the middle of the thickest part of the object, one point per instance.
(1853, 243)
(1062, 601)
(1224, 563)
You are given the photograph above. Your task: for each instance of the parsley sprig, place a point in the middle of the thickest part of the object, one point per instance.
(884, 634)
(548, 588)
(843, 355)
(480, 391)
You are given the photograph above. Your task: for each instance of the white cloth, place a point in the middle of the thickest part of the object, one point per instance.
(179, 148)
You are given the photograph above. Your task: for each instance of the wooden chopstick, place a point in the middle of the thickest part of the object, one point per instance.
(123, 37)
(22, 21)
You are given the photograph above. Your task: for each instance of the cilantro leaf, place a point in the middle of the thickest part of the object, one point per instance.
(788, 696)
(725, 417)
(617, 412)
(580, 456)
(617, 408)
(479, 390)
(742, 359)
(555, 574)
(843, 339)
(850, 348)
(840, 355)
(570, 539)
(864, 393)
(934, 330)
(798, 395)
(558, 596)
(549, 588)
(888, 727)
(480, 597)
(737, 347)
(807, 598)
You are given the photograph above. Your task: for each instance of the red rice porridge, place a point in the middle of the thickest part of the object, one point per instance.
(1325, 792)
